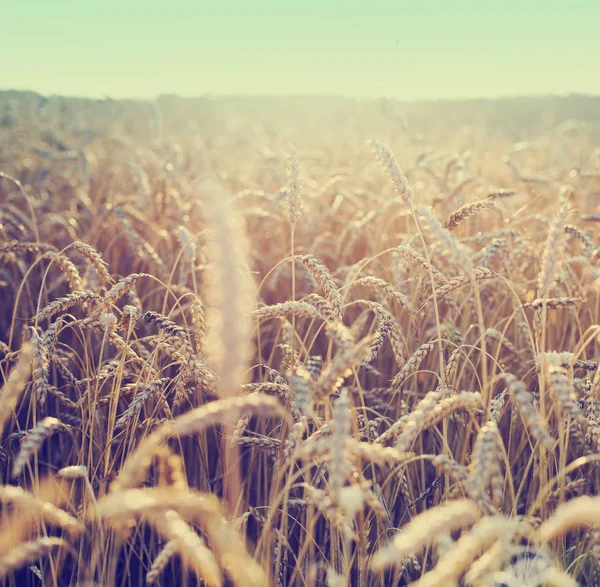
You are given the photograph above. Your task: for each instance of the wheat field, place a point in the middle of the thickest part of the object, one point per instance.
(304, 342)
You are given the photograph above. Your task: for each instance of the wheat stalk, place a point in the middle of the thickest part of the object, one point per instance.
(33, 441)
(424, 529)
(468, 210)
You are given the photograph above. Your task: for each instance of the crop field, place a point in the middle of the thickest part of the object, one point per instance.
(299, 341)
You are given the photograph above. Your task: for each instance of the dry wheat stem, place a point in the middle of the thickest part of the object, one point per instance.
(424, 529)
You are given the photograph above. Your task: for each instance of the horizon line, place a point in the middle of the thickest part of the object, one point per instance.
(313, 95)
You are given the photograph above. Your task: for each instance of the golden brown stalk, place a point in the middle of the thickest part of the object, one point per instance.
(497, 250)
(15, 384)
(294, 199)
(390, 327)
(382, 286)
(191, 548)
(26, 553)
(327, 283)
(479, 274)
(581, 511)
(423, 530)
(143, 392)
(492, 333)
(448, 241)
(381, 335)
(412, 364)
(161, 561)
(502, 194)
(345, 360)
(43, 510)
(553, 303)
(73, 472)
(533, 419)
(204, 509)
(595, 386)
(50, 336)
(468, 210)
(321, 305)
(178, 346)
(301, 387)
(135, 467)
(452, 364)
(41, 365)
(412, 255)
(171, 469)
(590, 249)
(128, 319)
(396, 343)
(190, 505)
(399, 180)
(468, 547)
(498, 406)
(23, 247)
(164, 324)
(419, 421)
(67, 267)
(72, 299)
(199, 324)
(188, 255)
(471, 486)
(553, 247)
(229, 290)
(122, 287)
(300, 309)
(240, 428)
(259, 442)
(419, 414)
(482, 571)
(376, 453)
(487, 461)
(138, 243)
(561, 390)
(339, 465)
(293, 438)
(94, 258)
(33, 441)
(332, 510)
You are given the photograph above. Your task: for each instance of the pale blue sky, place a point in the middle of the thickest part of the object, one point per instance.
(403, 49)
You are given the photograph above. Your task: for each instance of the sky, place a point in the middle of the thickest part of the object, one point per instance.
(405, 49)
